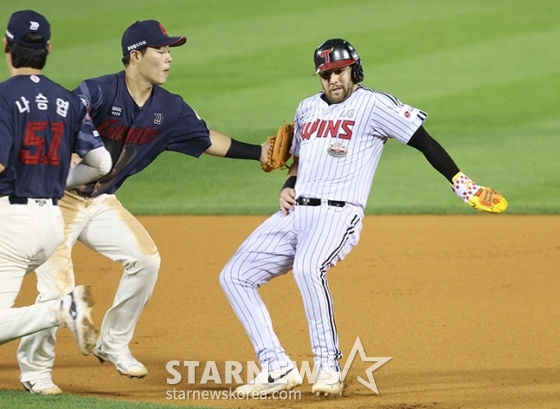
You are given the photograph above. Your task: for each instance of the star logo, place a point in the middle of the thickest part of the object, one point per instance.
(379, 361)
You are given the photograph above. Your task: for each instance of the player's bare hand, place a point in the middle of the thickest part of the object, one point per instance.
(265, 147)
(287, 200)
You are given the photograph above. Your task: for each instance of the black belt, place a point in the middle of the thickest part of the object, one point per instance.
(309, 201)
(23, 200)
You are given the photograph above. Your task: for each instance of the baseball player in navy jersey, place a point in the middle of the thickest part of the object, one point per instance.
(137, 120)
(339, 137)
(41, 125)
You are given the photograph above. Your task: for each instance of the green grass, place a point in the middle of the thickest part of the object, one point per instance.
(25, 400)
(487, 72)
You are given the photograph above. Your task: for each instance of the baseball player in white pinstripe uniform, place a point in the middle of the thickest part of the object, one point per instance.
(339, 137)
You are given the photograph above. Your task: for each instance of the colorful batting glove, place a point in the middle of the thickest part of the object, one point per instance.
(481, 198)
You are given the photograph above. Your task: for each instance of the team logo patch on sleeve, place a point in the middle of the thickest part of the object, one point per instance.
(85, 101)
(408, 112)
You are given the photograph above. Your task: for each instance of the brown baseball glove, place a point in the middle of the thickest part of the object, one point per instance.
(279, 151)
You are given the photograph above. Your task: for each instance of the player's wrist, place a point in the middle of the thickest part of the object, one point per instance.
(290, 183)
(242, 150)
(464, 187)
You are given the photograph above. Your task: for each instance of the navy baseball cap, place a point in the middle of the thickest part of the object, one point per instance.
(25, 22)
(148, 33)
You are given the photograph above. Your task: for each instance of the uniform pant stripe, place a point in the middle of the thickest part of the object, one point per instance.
(328, 295)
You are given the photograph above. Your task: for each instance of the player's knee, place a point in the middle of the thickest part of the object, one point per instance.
(302, 273)
(147, 264)
(231, 277)
(226, 278)
(153, 262)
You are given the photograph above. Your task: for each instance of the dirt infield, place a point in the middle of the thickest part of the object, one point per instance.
(468, 307)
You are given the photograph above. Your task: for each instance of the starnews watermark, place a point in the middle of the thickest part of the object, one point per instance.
(193, 373)
(229, 394)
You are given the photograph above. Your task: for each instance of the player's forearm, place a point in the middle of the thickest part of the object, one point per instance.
(291, 178)
(94, 165)
(224, 146)
(434, 153)
(293, 171)
(287, 193)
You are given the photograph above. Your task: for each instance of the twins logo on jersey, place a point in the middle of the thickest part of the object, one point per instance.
(328, 128)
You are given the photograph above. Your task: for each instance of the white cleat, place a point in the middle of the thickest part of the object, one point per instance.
(126, 364)
(43, 386)
(267, 383)
(328, 383)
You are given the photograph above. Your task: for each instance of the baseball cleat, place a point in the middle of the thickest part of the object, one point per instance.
(126, 364)
(267, 383)
(75, 313)
(328, 383)
(43, 386)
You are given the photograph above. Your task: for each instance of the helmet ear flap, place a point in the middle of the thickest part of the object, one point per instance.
(357, 70)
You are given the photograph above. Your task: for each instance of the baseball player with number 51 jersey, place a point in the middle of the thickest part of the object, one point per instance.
(41, 125)
(339, 136)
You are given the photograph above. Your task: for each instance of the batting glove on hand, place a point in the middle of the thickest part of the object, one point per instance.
(481, 198)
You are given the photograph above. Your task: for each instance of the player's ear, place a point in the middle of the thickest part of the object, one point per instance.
(134, 56)
(5, 42)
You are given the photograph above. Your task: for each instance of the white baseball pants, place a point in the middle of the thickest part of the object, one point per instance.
(29, 234)
(105, 226)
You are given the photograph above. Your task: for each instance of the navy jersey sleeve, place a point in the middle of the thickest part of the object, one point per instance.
(87, 137)
(190, 134)
(90, 93)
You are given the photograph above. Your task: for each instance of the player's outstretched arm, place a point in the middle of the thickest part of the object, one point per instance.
(479, 197)
(288, 192)
(227, 147)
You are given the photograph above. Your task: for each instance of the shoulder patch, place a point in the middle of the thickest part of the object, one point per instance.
(85, 101)
(408, 112)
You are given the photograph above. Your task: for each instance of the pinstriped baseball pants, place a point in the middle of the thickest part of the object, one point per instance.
(308, 241)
